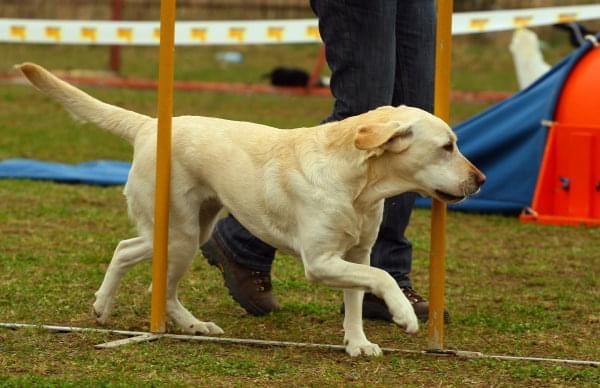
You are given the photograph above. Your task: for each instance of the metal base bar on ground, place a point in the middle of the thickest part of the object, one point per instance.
(141, 336)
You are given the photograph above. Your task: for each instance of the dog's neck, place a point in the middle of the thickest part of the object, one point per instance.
(363, 175)
(379, 186)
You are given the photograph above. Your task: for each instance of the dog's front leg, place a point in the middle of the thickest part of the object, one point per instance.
(331, 270)
(355, 340)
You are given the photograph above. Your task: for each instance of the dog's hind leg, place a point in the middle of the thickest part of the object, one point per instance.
(128, 253)
(181, 254)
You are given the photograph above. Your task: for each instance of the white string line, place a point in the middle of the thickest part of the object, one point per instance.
(145, 336)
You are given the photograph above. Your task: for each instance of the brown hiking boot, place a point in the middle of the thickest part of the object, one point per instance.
(251, 289)
(375, 308)
(420, 305)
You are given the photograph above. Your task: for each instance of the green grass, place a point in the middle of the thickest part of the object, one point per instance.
(511, 288)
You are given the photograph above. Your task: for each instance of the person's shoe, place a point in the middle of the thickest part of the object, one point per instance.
(375, 308)
(420, 305)
(250, 289)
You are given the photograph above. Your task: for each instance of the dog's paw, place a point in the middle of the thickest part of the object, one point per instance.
(202, 328)
(101, 310)
(408, 321)
(367, 348)
(404, 315)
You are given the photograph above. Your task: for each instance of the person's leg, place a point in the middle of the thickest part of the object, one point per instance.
(246, 250)
(413, 78)
(352, 31)
(413, 86)
(245, 262)
(360, 48)
(415, 54)
(392, 251)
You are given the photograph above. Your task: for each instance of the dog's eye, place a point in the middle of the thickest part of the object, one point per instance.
(449, 147)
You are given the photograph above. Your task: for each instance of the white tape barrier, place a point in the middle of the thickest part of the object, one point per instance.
(257, 31)
(472, 22)
(148, 33)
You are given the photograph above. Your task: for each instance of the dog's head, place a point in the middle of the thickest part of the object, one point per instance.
(413, 150)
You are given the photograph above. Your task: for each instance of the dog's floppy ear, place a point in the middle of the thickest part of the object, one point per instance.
(392, 136)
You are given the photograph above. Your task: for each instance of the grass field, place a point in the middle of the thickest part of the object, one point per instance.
(511, 288)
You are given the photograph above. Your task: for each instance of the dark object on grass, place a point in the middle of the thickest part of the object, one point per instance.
(285, 76)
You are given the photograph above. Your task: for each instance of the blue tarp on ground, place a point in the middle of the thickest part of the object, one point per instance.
(98, 172)
(506, 142)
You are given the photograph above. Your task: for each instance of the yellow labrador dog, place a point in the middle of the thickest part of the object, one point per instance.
(314, 192)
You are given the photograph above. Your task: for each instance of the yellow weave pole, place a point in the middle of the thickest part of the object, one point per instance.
(163, 166)
(438, 209)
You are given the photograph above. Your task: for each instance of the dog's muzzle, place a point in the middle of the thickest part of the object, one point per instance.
(447, 197)
(477, 180)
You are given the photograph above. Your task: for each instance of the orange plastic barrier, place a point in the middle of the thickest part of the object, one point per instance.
(568, 187)
(568, 190)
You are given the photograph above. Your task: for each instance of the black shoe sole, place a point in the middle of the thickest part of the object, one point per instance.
(216, 257)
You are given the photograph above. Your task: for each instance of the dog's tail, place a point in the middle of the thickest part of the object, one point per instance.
(121, 122)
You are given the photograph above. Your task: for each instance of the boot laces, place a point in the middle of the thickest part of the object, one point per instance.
(262, 280)
(412, 295)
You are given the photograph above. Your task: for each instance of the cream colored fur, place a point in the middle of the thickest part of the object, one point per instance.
(314, 192)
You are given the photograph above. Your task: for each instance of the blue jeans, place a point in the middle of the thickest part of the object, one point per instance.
(380, 52)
